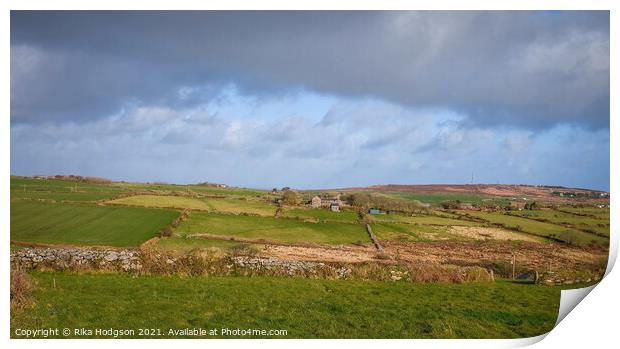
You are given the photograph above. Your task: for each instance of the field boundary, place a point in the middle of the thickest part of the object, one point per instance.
(564, 225)
(373, 238)
(178, 208)
(500, 225)
(208, 236)
(81, 247)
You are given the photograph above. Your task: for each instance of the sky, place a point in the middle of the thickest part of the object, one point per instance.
(313, 99)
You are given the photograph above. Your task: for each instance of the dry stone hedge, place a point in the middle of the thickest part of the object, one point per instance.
(66, 258)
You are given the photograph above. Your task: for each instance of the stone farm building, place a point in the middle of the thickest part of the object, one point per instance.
(315, 202)
(333, 203)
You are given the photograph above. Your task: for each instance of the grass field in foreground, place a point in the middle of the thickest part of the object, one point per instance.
(306, 308)
(86, 224)
(273, 229)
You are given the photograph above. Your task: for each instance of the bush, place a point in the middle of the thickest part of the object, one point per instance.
(244, 249)
(166, 232)
(452, 274)
(21, 287)
(197, 263)
(568, 237)
(291, 197)
(382, 256)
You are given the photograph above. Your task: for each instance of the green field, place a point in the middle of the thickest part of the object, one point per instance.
(272, 229)
(162, 201)
(206, 190)
(77, 224)
(436, 199)
(321, 214)
(60, 190)
(542, 229)
(601, 213)
(596, 225)
(235, 206)
(65, 213)
(69, 191)
(183, 244)
(418, 219)
(412, 232)
(305, 308)
(417, 228)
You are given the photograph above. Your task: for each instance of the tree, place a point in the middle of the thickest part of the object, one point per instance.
(291, 197)
(531, 206)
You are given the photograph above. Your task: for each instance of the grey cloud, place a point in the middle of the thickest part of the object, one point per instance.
(317, 156)
(530, 69)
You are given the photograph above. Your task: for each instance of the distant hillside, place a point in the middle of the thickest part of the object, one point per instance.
(552, 193)
(76, 178)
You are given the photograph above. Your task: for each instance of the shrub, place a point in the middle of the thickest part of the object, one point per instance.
(244, 249)
(291, 197)
(166, 232)
(382, 256)
(568, 237)
(21, 287)
(452, 274)
(358, 243)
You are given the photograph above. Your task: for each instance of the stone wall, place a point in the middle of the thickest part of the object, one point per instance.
(290, 267)
(56, 258)
(130, 260)
(203, 263)
(569, 278)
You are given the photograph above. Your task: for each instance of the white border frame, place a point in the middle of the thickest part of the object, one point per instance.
(597, 315)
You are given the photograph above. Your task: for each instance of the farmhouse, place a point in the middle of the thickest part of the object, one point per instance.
(315, 202)
(374, 211)
(332, 203)
(517, 205)
(334, 207)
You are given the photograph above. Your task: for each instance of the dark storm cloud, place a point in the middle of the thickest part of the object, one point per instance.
(529, 69)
